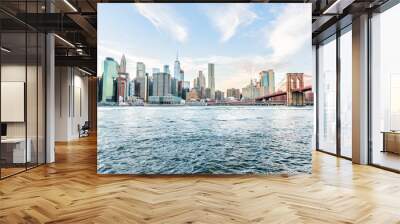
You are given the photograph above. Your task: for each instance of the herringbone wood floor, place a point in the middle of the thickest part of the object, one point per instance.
(70, 191)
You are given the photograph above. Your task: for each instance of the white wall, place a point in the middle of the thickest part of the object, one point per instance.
(71, 87)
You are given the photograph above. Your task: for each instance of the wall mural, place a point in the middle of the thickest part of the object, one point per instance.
(195, 88)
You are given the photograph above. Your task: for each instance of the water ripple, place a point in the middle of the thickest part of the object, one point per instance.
(205, 140)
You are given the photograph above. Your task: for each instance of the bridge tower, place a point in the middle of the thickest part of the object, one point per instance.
(294, 86)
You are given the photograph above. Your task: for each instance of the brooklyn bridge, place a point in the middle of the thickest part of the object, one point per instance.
(291, 92)
(296, 94)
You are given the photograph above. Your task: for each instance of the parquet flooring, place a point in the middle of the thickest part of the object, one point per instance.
(70, 191)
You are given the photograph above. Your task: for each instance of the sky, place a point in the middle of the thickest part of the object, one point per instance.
(241, 39)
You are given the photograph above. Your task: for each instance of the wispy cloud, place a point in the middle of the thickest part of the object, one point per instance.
(286, 39)
(164, 19)
(111, 49)
(229, 17)
(290, 32)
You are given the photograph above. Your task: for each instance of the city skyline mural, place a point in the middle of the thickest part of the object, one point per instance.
(185, 90)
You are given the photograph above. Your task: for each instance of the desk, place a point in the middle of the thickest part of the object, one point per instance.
(16, 147)
(391, 141)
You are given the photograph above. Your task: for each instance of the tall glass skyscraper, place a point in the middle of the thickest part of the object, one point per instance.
(177, 69)
(166, 69)
(122, 65)
(109, 75)
(211, 80)
(140, 69)
(161, 84)
(267, 82)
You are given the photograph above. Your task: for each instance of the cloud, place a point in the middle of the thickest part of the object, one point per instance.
(290, 32)
(110, 49)
(229, 71)
(164, 19)
(287, 38)
(229, 17)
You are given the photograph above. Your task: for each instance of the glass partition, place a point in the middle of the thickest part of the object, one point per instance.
(22, 78)
(13, 105)
(31, 99)
(385, 84)
(327, 96)
(41, 97)
(346, 93)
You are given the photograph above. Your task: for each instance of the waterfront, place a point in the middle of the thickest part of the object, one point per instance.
(209, 140)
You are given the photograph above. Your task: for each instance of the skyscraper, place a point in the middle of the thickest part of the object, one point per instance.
(122, 65)
(177, 69)
(267, 82)
(155, 70)
(140, 69)
(161, 84)
(166, 69)
(271, 76)
(201, 80)
(109, 75)
(143, 85)
(174, 87)
(201, 85)
(186, 84)
(122, 81)
(235, 93)
(131, 88)
(219, 95)
(122, 86)
(251, 91)
(182, 75)
(211, 80)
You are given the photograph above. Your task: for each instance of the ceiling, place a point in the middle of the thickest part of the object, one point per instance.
(75, 22)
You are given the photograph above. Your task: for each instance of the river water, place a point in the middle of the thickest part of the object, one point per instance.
(204, 140)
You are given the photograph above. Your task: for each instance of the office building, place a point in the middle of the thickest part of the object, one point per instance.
(193, 95)
(109, 76)
(211, 80)
(186, 84)
(207, 93)
(140, 70)
(122, 86)
(166, 69)
(161, 84)
(131, 88)
(219, 95)
(171, 100)
(182, 75)
(199, 84)
(267, 82)
(122, 65)
(142, 85)
(235, 93)
(251, 91)
(174, 87)
(51, 46)
(201, 80)
(177, 69)
(155, 70)
(150, 85)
